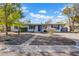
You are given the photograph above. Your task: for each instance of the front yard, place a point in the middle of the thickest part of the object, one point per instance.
(39, 44)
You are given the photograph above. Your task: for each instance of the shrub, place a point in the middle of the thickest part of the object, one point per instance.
(51, 31)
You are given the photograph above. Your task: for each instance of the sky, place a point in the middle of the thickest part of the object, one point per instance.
(43, 12)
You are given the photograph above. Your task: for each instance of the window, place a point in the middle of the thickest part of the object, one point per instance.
(31, 27)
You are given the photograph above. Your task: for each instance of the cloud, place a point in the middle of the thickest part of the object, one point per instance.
(42, 11)
(59, 18)
(39, 16)
(56, 12)
(25, 9)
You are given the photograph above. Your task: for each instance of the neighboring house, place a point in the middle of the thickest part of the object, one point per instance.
(39, 27)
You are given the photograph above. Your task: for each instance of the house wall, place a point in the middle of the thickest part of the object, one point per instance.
(13, 29)
(30, 29)
(43, 28)
(35, 29)
(48, 27)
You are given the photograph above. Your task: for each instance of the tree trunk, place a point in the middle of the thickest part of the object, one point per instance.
(73, 26)
(6, 29)
(18, 30)
(6, 19)
(3, 28)
(70, 25)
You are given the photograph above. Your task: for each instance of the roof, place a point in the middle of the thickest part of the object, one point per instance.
(45, 24)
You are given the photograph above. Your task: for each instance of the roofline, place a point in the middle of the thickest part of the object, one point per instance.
(45, 24)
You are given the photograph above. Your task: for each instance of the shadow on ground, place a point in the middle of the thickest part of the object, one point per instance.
(15, 39)
(76, 53)
(55, 40)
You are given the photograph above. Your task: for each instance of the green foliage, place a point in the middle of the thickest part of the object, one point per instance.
(73, 15)
(1, 29)
(10, 14)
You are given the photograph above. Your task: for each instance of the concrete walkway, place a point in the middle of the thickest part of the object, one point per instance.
(29, 41)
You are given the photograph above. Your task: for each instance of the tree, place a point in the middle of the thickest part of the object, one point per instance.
(74, 15)
(9, 14)
(77, 19)
(27, 21)
(76, 12)
(19, 24)
(67, 12)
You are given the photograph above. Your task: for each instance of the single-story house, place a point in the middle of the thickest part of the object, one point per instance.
(39, 27)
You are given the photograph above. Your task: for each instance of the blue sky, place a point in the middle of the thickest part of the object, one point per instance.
(42, 12)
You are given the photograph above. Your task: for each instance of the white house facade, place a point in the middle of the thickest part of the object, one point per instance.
(39, 27)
